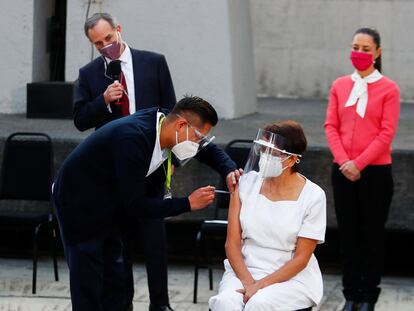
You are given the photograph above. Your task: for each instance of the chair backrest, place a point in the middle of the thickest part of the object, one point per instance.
(238, 150)
(27, 167)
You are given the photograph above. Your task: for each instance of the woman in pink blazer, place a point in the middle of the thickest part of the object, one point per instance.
(361, 121)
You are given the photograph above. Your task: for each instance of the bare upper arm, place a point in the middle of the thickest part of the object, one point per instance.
(305, 248)
(234, 226)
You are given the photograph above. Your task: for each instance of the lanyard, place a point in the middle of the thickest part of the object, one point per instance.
(168, 173)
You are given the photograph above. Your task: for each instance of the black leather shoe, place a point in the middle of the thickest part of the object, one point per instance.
(366, 306)
(153, 307)
(350, 306)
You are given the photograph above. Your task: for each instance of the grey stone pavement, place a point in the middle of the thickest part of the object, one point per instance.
(15, 289)
(15, 274)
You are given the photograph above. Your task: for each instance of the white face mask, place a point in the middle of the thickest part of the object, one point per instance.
(270, 166)
(186, 149)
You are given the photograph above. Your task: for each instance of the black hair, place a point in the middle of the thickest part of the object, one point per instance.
(197, 106)
(95, 18)
(294, 137)
(377, 40)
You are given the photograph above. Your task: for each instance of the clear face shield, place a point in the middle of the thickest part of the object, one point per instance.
(265, 161)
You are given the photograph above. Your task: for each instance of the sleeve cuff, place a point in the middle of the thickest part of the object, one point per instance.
(341, 160)
(102, 110)
(320, 238)
(180, 205)
(187, 206)
(359, 165)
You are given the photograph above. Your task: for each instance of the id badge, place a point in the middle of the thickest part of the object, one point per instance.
(168, 194)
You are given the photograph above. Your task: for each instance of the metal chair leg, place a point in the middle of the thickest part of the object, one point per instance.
(196, 266)
(54, 242)
(210, 263)
(35, 237)
(195, 284)
(210, 277)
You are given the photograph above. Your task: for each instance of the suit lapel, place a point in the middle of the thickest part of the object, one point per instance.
(148, 118)
(139, 67)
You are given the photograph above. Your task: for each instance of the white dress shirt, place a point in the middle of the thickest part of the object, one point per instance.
(128, 71)
(158, 155)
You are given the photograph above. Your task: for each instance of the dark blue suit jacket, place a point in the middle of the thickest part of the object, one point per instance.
(102, 182)
(152, 81)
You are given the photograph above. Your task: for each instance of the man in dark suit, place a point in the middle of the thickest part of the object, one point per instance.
(145, 82)
(118, 173)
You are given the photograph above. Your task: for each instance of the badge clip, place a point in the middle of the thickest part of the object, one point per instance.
(168, 194)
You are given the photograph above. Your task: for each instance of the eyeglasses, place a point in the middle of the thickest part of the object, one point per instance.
(202, 139)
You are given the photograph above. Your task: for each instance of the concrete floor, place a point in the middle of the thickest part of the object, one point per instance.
(15, 289)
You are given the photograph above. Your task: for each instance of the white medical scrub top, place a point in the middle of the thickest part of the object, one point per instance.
(270, 230)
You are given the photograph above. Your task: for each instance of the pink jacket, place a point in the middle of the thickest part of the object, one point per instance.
(365, 140)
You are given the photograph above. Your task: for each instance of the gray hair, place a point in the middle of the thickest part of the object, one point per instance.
(95, 18)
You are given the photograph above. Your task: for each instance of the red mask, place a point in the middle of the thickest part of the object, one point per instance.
(361, 61)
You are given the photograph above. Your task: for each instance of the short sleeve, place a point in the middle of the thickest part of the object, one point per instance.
(247, 183)
(314, 220)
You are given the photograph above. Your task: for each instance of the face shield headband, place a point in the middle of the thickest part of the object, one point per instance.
(267, 153)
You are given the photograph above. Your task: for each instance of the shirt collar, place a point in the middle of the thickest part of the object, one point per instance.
(126, 56)
(371, 78)
(158, 155)
(164, 151)
(359, 92)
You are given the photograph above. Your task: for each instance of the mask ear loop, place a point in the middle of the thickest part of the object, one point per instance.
(176, 135)
(106, 68)
(286, 167)
(120, 41)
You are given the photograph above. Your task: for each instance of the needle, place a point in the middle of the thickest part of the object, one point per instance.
(221, 191)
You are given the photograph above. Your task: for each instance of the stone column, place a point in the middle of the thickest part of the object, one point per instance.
(16, 54)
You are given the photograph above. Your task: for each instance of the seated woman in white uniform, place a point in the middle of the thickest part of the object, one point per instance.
(276, 218)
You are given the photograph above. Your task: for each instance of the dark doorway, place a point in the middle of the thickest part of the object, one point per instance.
(49, 40)
(57, 30)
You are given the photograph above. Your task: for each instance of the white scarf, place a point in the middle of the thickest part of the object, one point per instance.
(359, 93)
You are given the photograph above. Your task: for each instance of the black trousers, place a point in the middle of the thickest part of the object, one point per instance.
(362, 210)
(100, 269)
(151, 235)
(96, 271)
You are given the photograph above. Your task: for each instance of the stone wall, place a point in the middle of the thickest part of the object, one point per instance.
(316, 166)
(16, 59)
(301, 46)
